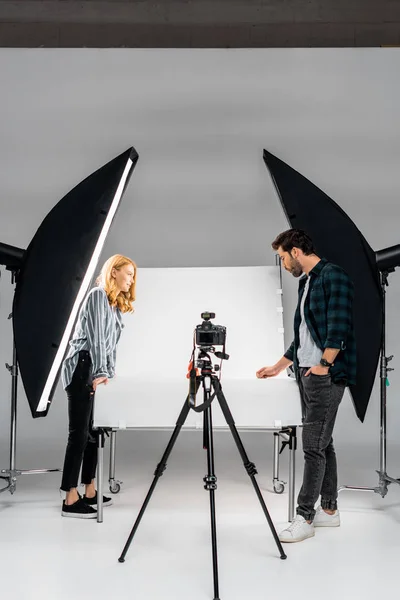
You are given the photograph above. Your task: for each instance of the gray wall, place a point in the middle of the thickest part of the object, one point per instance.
(200, 194)
(199, 23)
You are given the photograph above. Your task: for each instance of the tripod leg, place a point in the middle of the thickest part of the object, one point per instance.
(157, 474)
(249, 466)
(210, 481)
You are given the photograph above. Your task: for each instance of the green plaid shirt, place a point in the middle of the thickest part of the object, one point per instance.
(328, 312)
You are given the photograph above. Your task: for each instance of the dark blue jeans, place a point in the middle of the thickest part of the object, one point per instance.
(320, 399)
(82, 440)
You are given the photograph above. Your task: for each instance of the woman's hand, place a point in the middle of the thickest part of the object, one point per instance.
(98, 381)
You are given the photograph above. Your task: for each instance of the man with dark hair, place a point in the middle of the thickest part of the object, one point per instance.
(323, 354)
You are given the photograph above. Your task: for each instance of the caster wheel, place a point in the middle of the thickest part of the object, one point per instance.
(279, 488)
(114, 489)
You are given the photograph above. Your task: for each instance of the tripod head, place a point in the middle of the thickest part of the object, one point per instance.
(201, 372)
(204, 361)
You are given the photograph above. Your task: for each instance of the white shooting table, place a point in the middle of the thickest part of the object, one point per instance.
(150, 386)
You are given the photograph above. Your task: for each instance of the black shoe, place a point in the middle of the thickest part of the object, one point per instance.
(93, 501)
(78, 510)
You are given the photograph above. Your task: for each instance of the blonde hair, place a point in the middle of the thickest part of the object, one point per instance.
(123, 300)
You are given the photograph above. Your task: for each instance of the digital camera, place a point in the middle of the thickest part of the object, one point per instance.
(208, 334)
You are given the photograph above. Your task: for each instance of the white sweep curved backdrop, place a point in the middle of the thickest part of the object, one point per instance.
(150, 386)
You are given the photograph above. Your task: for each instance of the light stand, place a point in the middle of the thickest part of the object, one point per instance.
(387, 261)
(67, 244)
(309, 208)
(10, 475)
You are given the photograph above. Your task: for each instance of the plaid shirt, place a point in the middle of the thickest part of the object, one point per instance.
(328, 312)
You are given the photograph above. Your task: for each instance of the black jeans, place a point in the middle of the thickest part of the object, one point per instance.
(82, 440)
(320, 399)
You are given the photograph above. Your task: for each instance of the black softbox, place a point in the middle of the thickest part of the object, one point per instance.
(338, 240)
(56, 272)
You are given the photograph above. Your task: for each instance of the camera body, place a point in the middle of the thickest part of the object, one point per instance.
(208, 334)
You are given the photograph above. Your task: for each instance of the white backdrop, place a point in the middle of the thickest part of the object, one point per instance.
(157, 339)
(200, 195)
(155, 348)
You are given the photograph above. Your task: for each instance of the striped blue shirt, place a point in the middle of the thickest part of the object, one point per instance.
(97, 330)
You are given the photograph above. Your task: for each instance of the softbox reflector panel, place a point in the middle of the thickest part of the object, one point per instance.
(56, 272)
(337, 239)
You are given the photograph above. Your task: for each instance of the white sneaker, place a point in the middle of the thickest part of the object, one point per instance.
(297, 531)
(322, 519)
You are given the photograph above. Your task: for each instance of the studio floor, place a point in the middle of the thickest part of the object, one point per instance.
(45, 556)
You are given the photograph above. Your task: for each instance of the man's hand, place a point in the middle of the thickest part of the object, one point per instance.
(317, 370)
(273, 371)
(267, 372)
(98, 381)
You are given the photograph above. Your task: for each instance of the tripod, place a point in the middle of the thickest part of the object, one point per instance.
(209, 381)
(10, 475)
(384, 479)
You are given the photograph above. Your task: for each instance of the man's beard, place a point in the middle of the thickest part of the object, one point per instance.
(295, 268)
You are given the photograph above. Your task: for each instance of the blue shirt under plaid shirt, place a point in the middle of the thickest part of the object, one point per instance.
(328, 312)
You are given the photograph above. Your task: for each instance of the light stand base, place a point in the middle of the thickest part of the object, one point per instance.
(384, 479)
(381, 489)
(12, 475)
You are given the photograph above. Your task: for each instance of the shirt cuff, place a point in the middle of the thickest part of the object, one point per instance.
(100, 374)
(289, 354)
(335, 344)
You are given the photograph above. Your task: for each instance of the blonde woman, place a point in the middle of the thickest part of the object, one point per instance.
(91, 362)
